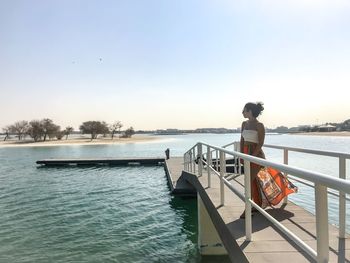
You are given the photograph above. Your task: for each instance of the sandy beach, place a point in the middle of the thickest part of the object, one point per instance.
(138, 138)
(78, 141)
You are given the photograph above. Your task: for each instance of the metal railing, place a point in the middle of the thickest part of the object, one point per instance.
(342, 157)
(194, 159)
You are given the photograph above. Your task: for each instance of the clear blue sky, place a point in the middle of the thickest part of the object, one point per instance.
(174, 64)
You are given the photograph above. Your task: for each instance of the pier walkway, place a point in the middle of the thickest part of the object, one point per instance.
(268, 243)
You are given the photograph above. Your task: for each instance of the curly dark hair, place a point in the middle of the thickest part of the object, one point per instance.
(256, 108)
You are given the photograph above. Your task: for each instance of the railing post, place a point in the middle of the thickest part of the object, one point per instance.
(342, 199)
(222, 173)
(235, 159)
(239, 163)
(209, 165)
(248, 206)
(194, 159)
(188, 161)
(322, 234)
(285, 161)
(200, 159)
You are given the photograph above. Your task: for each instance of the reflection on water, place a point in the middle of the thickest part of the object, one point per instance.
(187, 208)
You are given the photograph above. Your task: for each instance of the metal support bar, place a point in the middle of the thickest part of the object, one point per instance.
(200, 159)
(235, 159)
(194, 158)
(222, 174)
(342, 200)
(248, 207)
(285, 161)
(209, 165)
(322, 223)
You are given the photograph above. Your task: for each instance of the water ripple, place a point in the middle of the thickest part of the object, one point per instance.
(95, 214)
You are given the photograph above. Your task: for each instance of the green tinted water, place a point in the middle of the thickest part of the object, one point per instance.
(91, 214)
(94, 215)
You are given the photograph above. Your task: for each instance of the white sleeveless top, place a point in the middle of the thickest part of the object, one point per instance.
(250, 136)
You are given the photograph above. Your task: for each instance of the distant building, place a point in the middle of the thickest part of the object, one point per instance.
(168, 132)
(214, 130)
(327, 128)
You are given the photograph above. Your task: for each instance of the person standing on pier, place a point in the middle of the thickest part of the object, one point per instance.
(252, 140)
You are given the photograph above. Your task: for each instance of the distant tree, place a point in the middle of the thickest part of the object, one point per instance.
(305, 128)
(50, 129)
(7, 131)
(345, 126)
(94, 128)
(129, 132)
(54, 132)
(281, 129)
(105, 129)
(68, 131)
(115, 127)
(314, 128)
(19, 128)
(59, 135)
(36, 130)
(119, 127)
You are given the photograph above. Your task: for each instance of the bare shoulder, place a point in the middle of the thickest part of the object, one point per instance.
(260, 125)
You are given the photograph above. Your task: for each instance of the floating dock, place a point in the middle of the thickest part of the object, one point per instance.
(101, 161)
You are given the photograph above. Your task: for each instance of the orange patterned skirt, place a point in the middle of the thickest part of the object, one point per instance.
(254, 169)
(268, 185)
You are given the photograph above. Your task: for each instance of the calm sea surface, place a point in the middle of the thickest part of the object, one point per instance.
(121, 214)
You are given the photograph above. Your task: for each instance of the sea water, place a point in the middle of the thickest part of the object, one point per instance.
(120, 214)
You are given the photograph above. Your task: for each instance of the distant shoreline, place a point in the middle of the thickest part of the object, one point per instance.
(138, 138)
(78, 141)
(335, 133)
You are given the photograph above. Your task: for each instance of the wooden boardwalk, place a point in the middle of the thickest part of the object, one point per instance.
(268, 243)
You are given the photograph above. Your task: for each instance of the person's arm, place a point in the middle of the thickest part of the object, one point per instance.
(261, 138)
(242, 139)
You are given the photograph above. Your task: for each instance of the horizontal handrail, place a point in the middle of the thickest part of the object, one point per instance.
(312, 186)
(318, 152)
(316, 177)
(302, 150)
